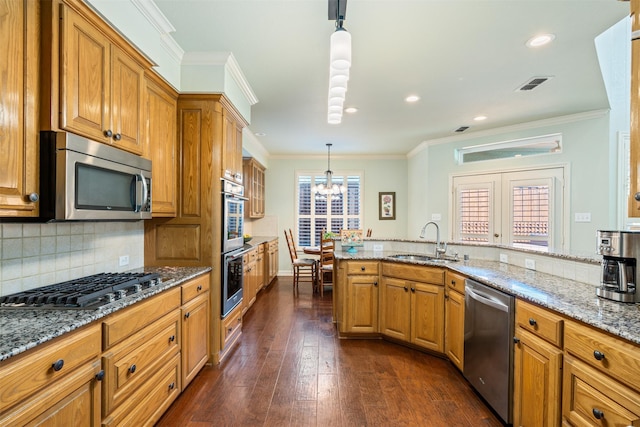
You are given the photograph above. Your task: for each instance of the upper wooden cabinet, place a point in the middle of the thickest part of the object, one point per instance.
(19, 37)
(232, 146)
(160, 143)
(254, 187)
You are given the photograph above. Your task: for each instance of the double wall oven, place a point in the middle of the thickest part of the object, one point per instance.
(232, 245)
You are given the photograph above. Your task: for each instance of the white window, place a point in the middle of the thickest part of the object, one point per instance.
(521, 208)
(314, 214)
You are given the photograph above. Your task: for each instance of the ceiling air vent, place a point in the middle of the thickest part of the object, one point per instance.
(533, 83)
(462, 128)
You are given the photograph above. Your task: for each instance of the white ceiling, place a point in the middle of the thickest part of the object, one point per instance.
(463, 57)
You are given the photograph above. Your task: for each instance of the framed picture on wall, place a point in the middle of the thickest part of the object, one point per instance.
(387, 205)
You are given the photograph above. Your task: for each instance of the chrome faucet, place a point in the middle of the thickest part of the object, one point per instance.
(439, 250)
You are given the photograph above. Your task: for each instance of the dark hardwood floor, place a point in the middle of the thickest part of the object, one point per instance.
(290, 369)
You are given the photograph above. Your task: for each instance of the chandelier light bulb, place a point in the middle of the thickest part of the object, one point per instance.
(340, 49)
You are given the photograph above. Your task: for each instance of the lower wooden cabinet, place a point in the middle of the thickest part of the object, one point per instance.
(454, 327)
(231, 329)
(272, 263)
(195, 331)
(361, 314)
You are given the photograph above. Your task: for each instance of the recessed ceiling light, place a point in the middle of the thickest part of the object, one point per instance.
(480, 118)
(260, 134)
(540, 40)
(412, 98)
(350, 110)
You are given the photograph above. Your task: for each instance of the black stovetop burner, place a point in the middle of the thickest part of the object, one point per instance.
(87, 293)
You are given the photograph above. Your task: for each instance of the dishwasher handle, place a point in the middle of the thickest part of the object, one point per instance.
(486, 299)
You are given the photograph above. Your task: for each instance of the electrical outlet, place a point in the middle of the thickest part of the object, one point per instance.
(583, 217)
(530, 264)
(436, 217)
(377, 248)
(124, 260)
(504, 258)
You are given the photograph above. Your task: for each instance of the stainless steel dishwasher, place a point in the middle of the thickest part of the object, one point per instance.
(488, 345)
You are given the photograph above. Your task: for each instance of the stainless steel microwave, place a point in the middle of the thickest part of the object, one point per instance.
(84, 180)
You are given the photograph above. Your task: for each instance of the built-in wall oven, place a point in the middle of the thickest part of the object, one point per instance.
(232, 279)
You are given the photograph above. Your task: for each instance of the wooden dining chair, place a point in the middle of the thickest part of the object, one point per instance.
(304, 269)
(325, 269)
(369, 232)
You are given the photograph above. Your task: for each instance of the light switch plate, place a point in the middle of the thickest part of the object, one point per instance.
(436, 217)
(124, 260)
(530, 264)
(377, 248)
(583, 216)
(504, 258)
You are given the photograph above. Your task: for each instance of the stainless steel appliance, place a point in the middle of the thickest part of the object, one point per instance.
(232, 216)
(85, 180)
(620, 251)
(488, 345)
(232, 280)
(86, 293)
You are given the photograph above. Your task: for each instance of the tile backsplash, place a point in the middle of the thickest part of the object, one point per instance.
(33, 255)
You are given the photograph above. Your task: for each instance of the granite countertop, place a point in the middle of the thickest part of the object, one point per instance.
(257, 241)
(573, 299)
(25, 328)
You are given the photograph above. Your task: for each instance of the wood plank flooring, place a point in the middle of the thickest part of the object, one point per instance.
(290, 369)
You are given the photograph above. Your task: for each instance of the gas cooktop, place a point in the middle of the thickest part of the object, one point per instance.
(87, 293)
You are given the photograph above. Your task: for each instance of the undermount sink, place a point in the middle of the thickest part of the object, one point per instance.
(408, 257)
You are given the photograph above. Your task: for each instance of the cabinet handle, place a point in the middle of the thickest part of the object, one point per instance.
(363, 268)
(532, 321)
(453, 282)
(516, 340)
(598, 414)
(58, 365)
(598, 355)
(117, 137)
(34, 197)
(199, 288)
(637, 197)
(108, 133)
(100, 375)
(406, 289)
(187, 315)
(132, 369)
(229, 330)
(172, 338)
(172, 386)
(413, 290)
(375, 283)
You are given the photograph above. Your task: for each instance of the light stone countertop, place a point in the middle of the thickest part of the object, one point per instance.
(24, 328)
(574, 299)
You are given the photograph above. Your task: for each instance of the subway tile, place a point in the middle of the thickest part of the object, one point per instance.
(31, 230)
(30, 266)
(47, 264)
(47, 245)
(11, 269)
(76, 228)
(63, 243)
(47, 279)
(75, 259)
(30, 246)
(11, 248)
(10, 231)
(48, 229)
(62, 261)
(11, 286)
(63, 229)
(62, 276)
(89, 228)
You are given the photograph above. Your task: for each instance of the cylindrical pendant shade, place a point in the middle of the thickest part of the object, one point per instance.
(340, 49)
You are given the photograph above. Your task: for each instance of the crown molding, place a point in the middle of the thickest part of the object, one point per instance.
(554, 121)
(150, 10)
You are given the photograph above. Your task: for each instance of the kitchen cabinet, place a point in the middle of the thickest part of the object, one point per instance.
(538, 358)
(633, 204)
(141, 358)
(160, 143)
(232, 147)
(101, 85)
(260, 279)
(361, 297)
(272, 261)
(231, 330)
(412, 305)
(254, 186)
(19, 37)
(454, 318)
(250, 288)
(55, 384)
(195, 327)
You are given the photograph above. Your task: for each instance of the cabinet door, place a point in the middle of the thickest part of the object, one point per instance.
(454, 328)
(18, 90)
(160, 142)
(395, 317)
(634, 205)
(85, 89)
(228, 146)
(537, 375)
(237, 154)
(260, 271)
(362, 304)
(195, 337)
(427, 316)
(126, 101)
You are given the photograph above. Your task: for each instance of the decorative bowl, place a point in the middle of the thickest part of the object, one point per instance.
(247, 239)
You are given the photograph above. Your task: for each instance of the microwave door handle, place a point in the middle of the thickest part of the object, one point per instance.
(145, 192)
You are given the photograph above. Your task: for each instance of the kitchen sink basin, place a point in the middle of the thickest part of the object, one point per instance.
(409, 257)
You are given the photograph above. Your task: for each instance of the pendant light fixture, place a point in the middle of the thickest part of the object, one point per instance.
(328, 189)
(339, 62)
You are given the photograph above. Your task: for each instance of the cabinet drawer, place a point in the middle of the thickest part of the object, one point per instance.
(618, 358)
(125, 322)
(415, 273)
(541, 322)
(261, 248)
(135, 359)
(455, 281)
(231, 325)
(362, 267)
(590, 398)
(151, 400)
(195, 287)
(28, 373)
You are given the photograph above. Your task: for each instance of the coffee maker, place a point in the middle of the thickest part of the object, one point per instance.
(620, 252)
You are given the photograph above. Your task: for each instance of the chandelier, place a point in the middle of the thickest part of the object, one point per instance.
(328, 189)
(339, 62)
